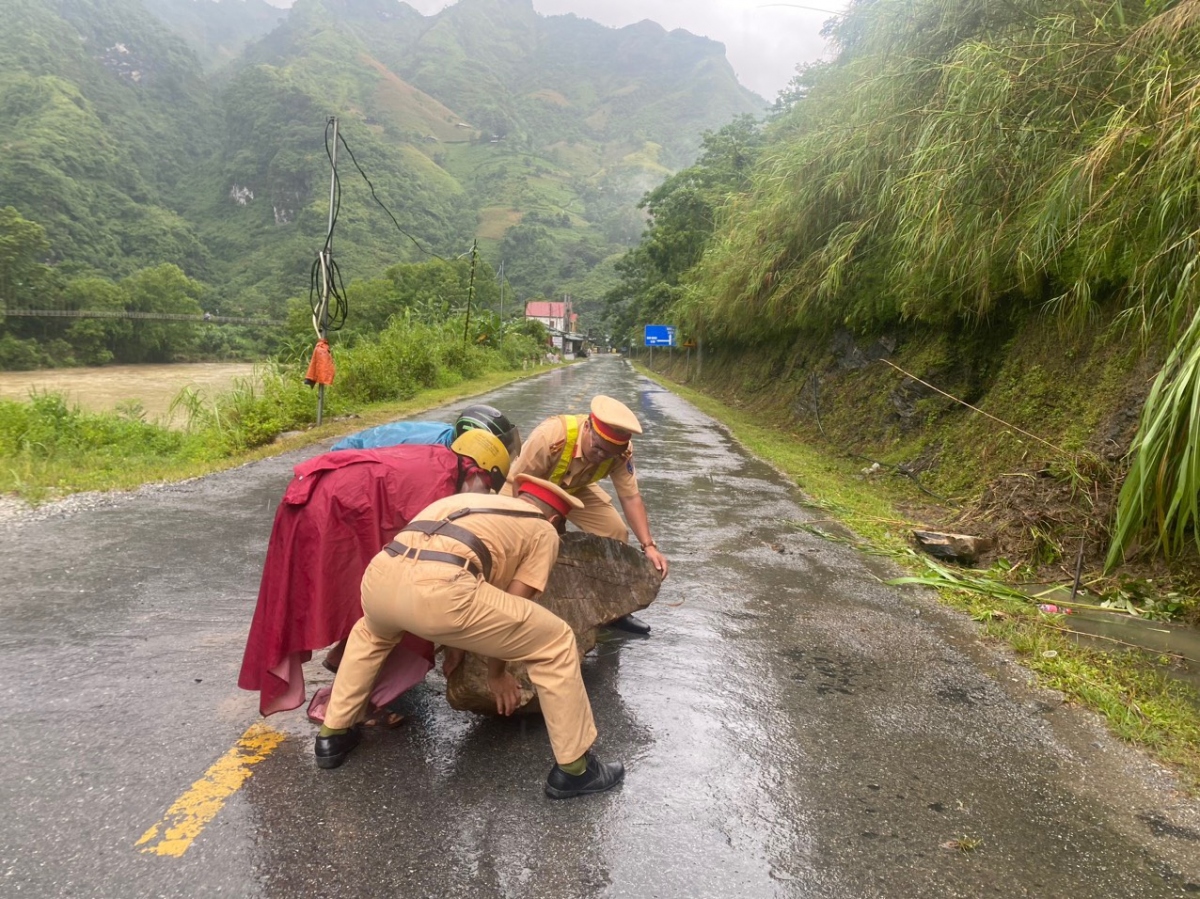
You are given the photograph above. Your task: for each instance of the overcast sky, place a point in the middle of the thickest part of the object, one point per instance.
(763, 40)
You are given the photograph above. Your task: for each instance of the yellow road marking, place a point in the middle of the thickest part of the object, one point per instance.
(186, 818)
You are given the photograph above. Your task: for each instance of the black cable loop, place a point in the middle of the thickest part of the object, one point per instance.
(339, 307)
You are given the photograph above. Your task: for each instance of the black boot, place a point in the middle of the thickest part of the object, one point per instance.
(632, 624)
(332, 751)
(598, 777)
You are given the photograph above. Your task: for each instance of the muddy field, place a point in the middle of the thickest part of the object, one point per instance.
(103, 389)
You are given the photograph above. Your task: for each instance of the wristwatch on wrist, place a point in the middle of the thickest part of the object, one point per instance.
(649, 543)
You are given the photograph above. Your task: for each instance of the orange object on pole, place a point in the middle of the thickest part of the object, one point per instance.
(320, 367)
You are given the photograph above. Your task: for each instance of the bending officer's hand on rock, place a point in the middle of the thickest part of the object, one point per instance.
(658, 560)
(451, 659)
(507, 692)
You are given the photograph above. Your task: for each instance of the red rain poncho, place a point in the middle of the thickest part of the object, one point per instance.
(339, 510)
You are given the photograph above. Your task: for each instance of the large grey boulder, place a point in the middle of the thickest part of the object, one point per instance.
(595, 581)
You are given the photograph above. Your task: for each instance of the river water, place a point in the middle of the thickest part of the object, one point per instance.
(104, 388)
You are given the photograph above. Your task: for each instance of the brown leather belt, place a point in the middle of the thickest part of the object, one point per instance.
(396, 548)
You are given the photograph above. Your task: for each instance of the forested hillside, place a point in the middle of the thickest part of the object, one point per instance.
(104, 111)
(535, 135)
(1002, 200)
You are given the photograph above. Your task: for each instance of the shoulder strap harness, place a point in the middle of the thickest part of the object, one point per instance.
(571, 422)
(447, 528)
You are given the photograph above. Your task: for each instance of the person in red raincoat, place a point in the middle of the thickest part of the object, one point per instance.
(338, 511)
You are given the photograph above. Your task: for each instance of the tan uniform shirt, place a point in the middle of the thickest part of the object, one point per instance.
(523, 549)
(543, 448)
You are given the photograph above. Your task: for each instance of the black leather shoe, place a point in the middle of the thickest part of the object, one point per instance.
(632, 624)
(332, 751)
(598, 777)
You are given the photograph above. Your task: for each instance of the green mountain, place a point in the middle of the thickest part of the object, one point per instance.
(535, 135)
(104, 110)
(556, 81)
(218, 32)
(547, 130)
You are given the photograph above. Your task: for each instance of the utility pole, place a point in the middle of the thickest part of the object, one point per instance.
(470, 290)
(322, 318)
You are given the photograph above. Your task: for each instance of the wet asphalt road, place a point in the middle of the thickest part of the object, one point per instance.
(791, 728)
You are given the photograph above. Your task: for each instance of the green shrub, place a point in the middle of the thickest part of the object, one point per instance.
(46, 445)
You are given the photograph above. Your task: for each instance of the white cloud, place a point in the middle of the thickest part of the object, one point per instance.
(764, 41)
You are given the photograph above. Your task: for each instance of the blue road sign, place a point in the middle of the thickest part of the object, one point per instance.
(660, 335)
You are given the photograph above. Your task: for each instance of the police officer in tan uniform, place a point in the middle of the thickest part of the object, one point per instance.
(577, 451)
(463, 574)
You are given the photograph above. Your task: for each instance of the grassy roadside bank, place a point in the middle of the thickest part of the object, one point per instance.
(1132, 690)
(112, 452)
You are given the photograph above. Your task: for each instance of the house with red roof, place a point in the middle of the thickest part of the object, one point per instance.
(561, 321)
(555, 316)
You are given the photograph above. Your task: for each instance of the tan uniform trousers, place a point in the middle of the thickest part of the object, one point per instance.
(447, 605)
(598, 515)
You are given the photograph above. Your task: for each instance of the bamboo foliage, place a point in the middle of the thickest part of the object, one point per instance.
(963, 157)
(963, 160)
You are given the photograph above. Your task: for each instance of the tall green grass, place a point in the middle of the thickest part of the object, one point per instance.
(962, 159)
(48, 447)
(1161, 493)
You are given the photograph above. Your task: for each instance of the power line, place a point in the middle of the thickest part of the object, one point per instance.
(375, 197)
